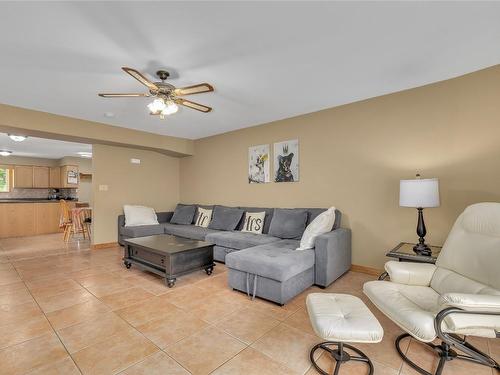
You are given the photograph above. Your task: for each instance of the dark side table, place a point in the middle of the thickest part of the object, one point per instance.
(404, 252)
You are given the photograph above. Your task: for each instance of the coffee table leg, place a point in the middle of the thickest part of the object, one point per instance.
(170, 281)
(209, 269)
(127, 264)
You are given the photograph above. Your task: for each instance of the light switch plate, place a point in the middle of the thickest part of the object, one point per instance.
(135, 161)
(103, 187)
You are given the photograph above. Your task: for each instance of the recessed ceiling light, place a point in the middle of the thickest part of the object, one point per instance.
(109, 114)
(85, 154)
(17, 138)
(5, 153)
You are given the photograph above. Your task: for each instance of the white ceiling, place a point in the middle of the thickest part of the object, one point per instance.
(267, 61)
(41, 148)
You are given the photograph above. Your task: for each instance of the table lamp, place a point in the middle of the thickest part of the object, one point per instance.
(420, 193)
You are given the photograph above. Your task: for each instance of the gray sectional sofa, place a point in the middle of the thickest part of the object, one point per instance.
(261, 264)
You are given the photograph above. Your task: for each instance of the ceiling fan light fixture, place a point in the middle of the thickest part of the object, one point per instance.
(17, 138)
(157, 106)
(170, 108)
(5, 153)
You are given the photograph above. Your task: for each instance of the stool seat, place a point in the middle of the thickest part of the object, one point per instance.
(343, 318)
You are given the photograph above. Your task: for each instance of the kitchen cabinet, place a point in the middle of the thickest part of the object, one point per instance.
(69, 176)
(47, 216)
(55, 177)
(17, 219)
(40, 177)
(23, 176)
(29, 219)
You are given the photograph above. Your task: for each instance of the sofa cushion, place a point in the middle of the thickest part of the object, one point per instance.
(225, 218)
(278, 260)
(183, 214)
(142, 230)
(288, 223)
(267, 220)
(139, 215)
(253, 222)
(187, 231)
(239, 240)
(203, 217)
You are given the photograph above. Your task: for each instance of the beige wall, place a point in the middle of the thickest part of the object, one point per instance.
(154, 183)
(353, 157)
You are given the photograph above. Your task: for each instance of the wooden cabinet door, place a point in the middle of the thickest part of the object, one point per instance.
(55, 177)
(68, 170)
(23, 176)
(46, 218)
(17, 219)
(40, 177)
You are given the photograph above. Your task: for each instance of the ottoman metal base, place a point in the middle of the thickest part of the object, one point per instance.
(340, 355)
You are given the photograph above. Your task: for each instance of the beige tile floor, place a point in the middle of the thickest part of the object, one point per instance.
(67, 310)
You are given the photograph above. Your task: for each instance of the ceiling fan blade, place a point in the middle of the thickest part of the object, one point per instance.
(138, 76)
(193, 105)
(123, 95)
(195, 89)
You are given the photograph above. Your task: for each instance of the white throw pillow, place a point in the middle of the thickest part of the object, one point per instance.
(203, 217)
(139, 215)
(323, 223)
(254, 222)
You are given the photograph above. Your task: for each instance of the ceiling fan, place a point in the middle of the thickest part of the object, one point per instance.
(167, 96)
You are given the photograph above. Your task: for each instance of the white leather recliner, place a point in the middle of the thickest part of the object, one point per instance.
(459, 296)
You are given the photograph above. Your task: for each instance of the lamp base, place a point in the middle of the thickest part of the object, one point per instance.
(422, 249)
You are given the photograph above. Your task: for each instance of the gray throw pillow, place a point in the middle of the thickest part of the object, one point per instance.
(225, 218)
(288, 223)
(183, 214)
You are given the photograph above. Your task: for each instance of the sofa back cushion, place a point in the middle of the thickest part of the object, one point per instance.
(288, 223)
(225, 218)
(183, 214)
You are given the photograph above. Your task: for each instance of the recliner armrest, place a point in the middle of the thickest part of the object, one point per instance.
(472, 302)
(410, 273)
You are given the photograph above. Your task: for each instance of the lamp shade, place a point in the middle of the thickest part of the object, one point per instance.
(419, 193)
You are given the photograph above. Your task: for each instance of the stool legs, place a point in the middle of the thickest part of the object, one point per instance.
(340, 355)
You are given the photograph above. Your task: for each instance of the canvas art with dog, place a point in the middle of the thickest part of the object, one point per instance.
(286, 161)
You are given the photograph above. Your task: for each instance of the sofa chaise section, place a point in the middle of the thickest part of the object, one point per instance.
(275, 271)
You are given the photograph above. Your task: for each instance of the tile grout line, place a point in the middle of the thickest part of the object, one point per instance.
(50, 324)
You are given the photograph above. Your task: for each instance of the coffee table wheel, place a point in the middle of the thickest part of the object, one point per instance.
(127, 264)
(170, 282)
(209, 270)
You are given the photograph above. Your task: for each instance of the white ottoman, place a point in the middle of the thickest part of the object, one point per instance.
(340, 318)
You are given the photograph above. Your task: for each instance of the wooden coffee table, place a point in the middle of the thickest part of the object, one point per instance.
(169, 256)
